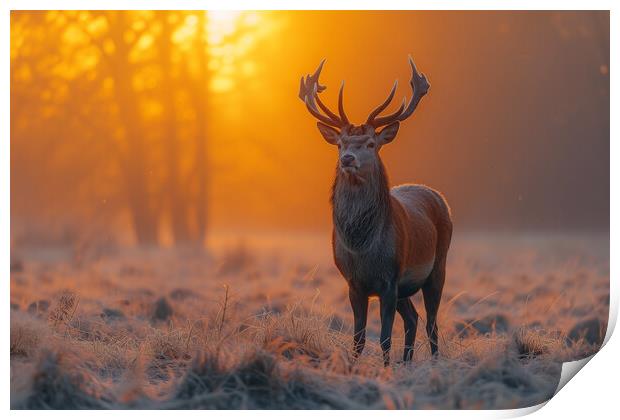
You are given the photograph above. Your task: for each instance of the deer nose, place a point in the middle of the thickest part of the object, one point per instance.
(347, 160)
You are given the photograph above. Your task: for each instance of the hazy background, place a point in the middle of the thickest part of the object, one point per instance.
(159, 127)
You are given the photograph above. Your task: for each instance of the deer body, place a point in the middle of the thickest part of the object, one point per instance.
(404, 246)
(386, 243)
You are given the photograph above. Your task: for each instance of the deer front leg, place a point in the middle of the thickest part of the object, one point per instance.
(388, 311)
(359, 304)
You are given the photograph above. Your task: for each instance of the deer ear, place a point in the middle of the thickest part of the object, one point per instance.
(329, 134)
(388, 133)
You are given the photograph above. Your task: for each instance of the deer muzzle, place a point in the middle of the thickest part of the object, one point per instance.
(347, 161)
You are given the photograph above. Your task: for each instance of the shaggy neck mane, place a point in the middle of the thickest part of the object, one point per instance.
(361, 209)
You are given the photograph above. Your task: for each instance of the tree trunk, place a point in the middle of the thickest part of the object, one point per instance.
(200, 102)
(135, 164)
(176, 197)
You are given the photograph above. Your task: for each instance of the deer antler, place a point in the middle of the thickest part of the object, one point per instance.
(308, 92)
(419, 86)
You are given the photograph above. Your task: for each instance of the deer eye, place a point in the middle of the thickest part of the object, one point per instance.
(370, 145)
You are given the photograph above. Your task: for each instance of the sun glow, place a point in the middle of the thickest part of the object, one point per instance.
(221, 24)
(230, 35)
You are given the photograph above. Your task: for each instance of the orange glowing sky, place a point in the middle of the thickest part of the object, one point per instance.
(516, 98)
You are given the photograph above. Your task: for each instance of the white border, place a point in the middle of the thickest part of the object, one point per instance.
(591, 395)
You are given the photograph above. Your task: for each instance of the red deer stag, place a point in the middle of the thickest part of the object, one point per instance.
(388, 243)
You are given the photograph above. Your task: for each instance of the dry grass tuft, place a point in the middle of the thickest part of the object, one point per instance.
(64, 309)
(54, 387)
(535, 342)
(499, 379)
(259, 380)
(298, 333)
(27, 333)
(168, 345)
(212, 383)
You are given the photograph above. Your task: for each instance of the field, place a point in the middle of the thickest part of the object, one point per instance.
(263, 321)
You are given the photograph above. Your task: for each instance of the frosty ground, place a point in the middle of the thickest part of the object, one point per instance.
(263, 321)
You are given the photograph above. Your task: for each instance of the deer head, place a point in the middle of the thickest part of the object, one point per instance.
(359, 145)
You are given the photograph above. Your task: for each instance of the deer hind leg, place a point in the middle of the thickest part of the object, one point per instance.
(432, 296)
(410, 317)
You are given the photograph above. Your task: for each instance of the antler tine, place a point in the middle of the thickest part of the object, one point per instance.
(384, 105)
(305, 86)
(308, 92)
(325, 109)
(309, 100)
(343, 116)
(315, 77)
(381, 121)
(419, 86)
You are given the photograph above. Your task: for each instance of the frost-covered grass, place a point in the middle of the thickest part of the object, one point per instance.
(265, 323)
